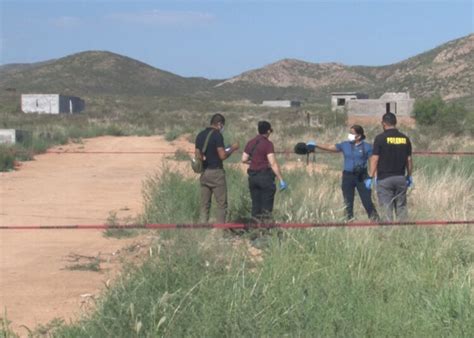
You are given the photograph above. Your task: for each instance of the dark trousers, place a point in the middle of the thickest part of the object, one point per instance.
(350, 182)
(262, 191)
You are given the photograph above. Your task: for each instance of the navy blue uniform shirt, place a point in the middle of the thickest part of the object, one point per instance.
(354, 154)
(215, 141)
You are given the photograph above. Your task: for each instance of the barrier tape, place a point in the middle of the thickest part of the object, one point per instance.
(233, 225)
(421, 152)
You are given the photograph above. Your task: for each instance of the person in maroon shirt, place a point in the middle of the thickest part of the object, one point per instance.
(259, 154)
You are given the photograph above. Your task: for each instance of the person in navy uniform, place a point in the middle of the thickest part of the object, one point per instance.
(356, 155)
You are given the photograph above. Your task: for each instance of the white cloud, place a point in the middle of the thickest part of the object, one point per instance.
(66, 22)
(164, 18)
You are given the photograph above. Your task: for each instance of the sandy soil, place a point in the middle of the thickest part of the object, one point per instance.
(61, 189)
(57, 189)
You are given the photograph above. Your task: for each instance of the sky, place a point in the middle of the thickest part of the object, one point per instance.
(221, 39)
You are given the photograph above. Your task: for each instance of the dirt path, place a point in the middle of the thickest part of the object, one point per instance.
(56, 189)
(35, 286)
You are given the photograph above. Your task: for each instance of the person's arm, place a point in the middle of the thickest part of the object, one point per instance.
(327, 147)
(274, 165)
(409, 165)
(226, 154)
(374, 160)
(245, 158)
(197, 153)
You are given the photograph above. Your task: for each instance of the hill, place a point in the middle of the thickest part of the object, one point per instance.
(98, 72)
(447, 69)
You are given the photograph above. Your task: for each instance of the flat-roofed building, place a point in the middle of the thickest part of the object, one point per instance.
(281, 103)
(51, 104)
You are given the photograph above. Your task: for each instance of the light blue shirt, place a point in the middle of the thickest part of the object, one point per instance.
(355, 154)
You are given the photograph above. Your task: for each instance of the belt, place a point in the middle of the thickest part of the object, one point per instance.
(258, 172)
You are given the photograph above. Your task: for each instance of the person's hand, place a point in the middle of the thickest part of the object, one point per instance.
(368, 183)
(283, 185)
(235, 146)
(409, 181)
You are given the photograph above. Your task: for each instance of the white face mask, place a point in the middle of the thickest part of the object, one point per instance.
(222, 130)
(351, 137)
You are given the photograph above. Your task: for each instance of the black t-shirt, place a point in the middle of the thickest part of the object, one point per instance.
(215, 141)
(393, 149)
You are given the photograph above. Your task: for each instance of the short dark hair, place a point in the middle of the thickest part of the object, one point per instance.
(217, 118)
(264, 127)
(390, 119)
(359, 130)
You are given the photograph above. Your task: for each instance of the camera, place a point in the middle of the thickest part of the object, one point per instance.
(360, 171)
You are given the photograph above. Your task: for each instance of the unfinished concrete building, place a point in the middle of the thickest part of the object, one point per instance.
(51, 104)
(339, 99)
(362, 109)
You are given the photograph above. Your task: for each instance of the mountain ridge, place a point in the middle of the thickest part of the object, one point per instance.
(447, 69)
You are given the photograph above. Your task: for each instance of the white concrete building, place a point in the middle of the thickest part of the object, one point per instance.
(12, 136)
(281, 103)
(51, 104)
(360, 104)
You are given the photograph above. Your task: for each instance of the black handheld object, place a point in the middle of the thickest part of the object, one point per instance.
(302, 148)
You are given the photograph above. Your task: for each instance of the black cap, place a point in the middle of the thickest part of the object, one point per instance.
(264, 127)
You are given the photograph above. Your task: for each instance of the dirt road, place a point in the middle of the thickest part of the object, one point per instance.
(35, 284)
(57, 189)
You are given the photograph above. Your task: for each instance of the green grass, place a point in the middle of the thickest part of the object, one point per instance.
(409, 282)
(315, 282)
(401, 282)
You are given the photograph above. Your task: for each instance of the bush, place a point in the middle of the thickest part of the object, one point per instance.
(445, 117)
(7, 158)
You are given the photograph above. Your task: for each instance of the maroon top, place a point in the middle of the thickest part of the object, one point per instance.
(259, 160)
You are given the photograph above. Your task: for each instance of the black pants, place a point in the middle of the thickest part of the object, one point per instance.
(349, 183)
(262, 191)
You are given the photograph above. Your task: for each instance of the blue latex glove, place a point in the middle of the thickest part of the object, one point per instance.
(409, 181)
(310, 146)
(283, 185)
(368, 183)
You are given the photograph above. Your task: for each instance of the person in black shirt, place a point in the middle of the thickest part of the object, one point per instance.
(391, 161)
(212, 179)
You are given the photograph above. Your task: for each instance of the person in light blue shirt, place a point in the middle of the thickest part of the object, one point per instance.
(356, 155)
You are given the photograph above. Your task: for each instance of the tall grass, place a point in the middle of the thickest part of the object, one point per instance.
(402, 282)
(413, 282)
(317, 282)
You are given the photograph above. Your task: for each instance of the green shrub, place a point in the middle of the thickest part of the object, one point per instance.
(444, 117)
(7, 158)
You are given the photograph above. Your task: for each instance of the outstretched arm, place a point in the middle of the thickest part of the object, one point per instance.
(327, 147)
